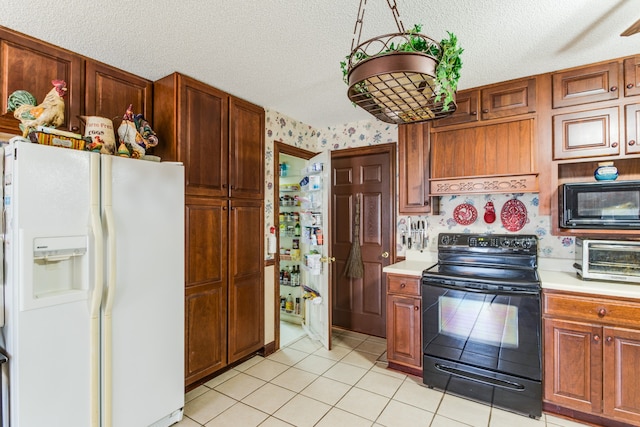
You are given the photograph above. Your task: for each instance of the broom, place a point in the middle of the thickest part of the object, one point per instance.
(354, 267)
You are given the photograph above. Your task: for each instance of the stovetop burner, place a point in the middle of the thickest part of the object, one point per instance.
(486, 259)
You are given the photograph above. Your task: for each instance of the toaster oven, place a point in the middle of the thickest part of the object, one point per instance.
(617, 260)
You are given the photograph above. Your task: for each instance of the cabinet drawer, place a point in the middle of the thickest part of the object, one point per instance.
(408, 285)
(585, 308)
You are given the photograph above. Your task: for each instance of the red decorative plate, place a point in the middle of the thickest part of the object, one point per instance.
(513, 215)
(465, 214)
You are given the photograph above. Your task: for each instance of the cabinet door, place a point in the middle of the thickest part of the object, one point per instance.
(203, 118)
(246, 149)
(620, 384)
(509, 99)
(205, 331)
(246, 287)
(498, 149)
(413, 152)
(573, 365)
(585, 85)
(632, 144)
(632, 76)
(586, 134)
(109, 91)
(404, 329)
(31, 65)
(467, 111)
(206, 223)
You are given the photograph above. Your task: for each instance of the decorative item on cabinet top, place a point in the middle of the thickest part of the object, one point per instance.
(403, 77)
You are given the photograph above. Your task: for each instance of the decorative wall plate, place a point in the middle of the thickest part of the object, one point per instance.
(465, 214)
(513, 215)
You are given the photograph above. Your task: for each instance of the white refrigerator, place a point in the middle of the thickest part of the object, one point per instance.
(93, 289)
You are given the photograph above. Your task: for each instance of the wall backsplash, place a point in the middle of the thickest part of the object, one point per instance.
(540, 225)
(350, 135)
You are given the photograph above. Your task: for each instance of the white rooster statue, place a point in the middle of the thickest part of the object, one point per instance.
(49, 113)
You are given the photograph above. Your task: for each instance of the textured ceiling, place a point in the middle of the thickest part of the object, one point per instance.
(284, 55)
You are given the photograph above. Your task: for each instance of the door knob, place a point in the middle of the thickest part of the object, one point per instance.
(385, 254)
(327, 259)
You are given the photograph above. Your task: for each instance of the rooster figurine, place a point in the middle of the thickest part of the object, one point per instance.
(49, 113)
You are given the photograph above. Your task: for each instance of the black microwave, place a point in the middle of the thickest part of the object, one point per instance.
(600, 204)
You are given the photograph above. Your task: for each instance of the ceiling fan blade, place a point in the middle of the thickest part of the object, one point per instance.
(635, 28)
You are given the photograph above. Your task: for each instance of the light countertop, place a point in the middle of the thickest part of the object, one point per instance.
(562, 279)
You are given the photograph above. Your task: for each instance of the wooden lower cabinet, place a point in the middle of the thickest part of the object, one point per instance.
(404, 323)
(224, 284)
(205, 331)
(590, 362)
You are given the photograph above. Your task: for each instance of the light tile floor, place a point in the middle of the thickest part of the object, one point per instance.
(304, 385)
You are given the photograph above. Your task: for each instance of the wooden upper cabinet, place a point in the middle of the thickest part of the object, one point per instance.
(191, 120)
(586, 134)
(632, 76)
(109, 91)
(632, 145)
(584, 85)
(467, 111)
(246, 149)
(462, 159)
(29, 64)
(413, 152)
(219, 138)
(509, 99)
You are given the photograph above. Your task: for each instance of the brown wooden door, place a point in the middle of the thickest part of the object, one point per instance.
(632, 143)
(109, 91)
(632, 76)
(573, 365)
(246, 287)
(509, 99)
(206, 287)
(359, 304)
(246, 149)
(621, 387)
(586, 134)
(586, 84)
(29, 64)
(413, 152)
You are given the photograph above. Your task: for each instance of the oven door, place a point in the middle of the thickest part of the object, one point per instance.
(489, 329)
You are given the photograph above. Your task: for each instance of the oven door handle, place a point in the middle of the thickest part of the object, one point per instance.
(495, 291)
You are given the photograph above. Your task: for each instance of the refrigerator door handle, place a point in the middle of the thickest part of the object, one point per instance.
(96, 297)
(109, 223)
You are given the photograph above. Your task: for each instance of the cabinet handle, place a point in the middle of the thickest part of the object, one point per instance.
(75, 128)
(403, 285)
(485, 111)
(614, 144)
(609, 338)
(630, 86)
(474, 113)
(596, 338)
(602, 312)
(632, 142)
(416, 308)
(224, 185)
(614, 88)
(426, 203)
